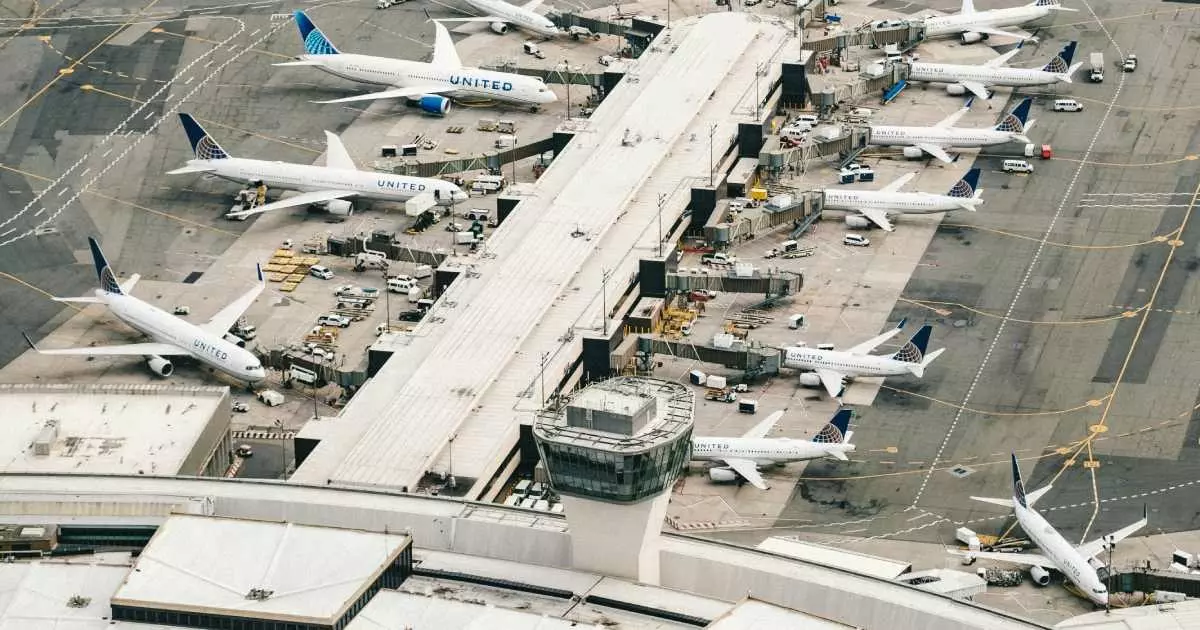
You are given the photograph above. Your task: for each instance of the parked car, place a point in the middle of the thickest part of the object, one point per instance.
(240, 406)
(320, 271)
(1016, 166)
(1067, 105)
(855, 240)
(245, 450)
(333, 319)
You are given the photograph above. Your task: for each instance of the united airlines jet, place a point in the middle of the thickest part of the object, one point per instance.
(934, 140)
(972, 26)
(960, 79)
(743, 456)
(331, 185)
(875, 205)
(498, 14)
(210, 342)
(1058, 554)
(832, 368)
(426, 85)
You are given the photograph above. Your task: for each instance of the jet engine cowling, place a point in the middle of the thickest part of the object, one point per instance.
(340, 207)
(955, 89)
(810, 379)
(434, 104)
(499, 27)
(234, 339)
(722, 474)
(160, 366)
(855, 221)
(1040, 576)
(913, 153)
(970, 37)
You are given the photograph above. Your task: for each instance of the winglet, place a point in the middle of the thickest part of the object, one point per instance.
(258, 267)
(203, 144)
(1018, 485)
(104, 273)
(903, 321)
(315, 42)
(29, 341)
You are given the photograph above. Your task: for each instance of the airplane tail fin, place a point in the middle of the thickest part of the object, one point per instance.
(838, 429)
(1062, 61)
(968, 7)
(1018, 485)
(104, 273)
(965, 187)
(1014, 121)
(315, 42)
(203, 144)
(914, 350)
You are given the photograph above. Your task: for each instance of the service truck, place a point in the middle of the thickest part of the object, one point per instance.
(1096, 64)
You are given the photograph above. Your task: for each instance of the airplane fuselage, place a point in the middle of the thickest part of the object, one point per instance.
(1067, 560)
(996, 18)
(465, 82)
(891, 136)
(208, 348)
(310, 178)
(524, 19)
(762, 451)
(851, 365)
(954, 73)
(899, 202)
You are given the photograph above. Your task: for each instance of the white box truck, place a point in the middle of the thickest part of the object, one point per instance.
(1096, 67)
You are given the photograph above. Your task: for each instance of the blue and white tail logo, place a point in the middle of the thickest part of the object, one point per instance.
(1046, 3)
(108, 280)
(914, 350)
(203, 145)
(1061, 62)
(835, 431)
(315, 42)
(1014, 121)
(1018, 485)
(965, 188)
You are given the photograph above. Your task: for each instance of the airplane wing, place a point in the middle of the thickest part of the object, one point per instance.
(834, 382)
(1017, 34)
(899, 183)
(228, 316)
(878, 217)
(444, 53)
(406, 92)
(532, 5)
(1091, 548)
(1027, 559)
(1003, 60)
(869, 345)
(164, 349)
(936, 151)
(298, 200)
(976, 88)
(749, 471)
(336, 155)
(761, 429)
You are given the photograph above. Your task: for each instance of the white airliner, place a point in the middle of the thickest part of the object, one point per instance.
(210, 342)
(331, 185)
(743, 456)
(934, 140)
(499, 15)
(832, 368)
(961, 79)
(1075, 563)
(972, 26)
(425, 85)
(877, 204)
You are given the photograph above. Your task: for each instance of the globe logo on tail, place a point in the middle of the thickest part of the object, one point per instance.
(962, 189)
(829, 435)
(316, 44)
(1057, 65)
(910, 353)
(108, 281)
(206, 149)
(1011, 124)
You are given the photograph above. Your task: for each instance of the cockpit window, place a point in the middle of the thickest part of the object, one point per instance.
(1100, 590)
(253, 367)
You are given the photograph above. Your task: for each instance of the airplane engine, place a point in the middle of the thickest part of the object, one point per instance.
(810, 379)
(232, 338)
(340, 208)
(499, 27)
(434, 104)
(722, 474)
(159, 365)
(1040, 576)
(955, 89)
(855, 221)
(913, 153)
(970, 37)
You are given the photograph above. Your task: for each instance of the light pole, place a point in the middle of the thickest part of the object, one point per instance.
(542, 380)
(283, 443)
(758, 70)
(567, 76)
(604, 299)
(387, 302)
(712, 131)
(450, 466)
(662, 200)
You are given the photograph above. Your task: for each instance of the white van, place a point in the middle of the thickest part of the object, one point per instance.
(476, 214)
(400, 285)
(320, 271)
(1016, 166)
(855, 240)
(1067, 105)
(487, 183)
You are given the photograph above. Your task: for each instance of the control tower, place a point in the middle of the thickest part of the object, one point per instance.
(613, 453)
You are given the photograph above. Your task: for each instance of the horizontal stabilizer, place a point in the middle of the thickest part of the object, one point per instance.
(192, 169)
(79, 300)
(837, 454)
(1004, 502)
(302, 62)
